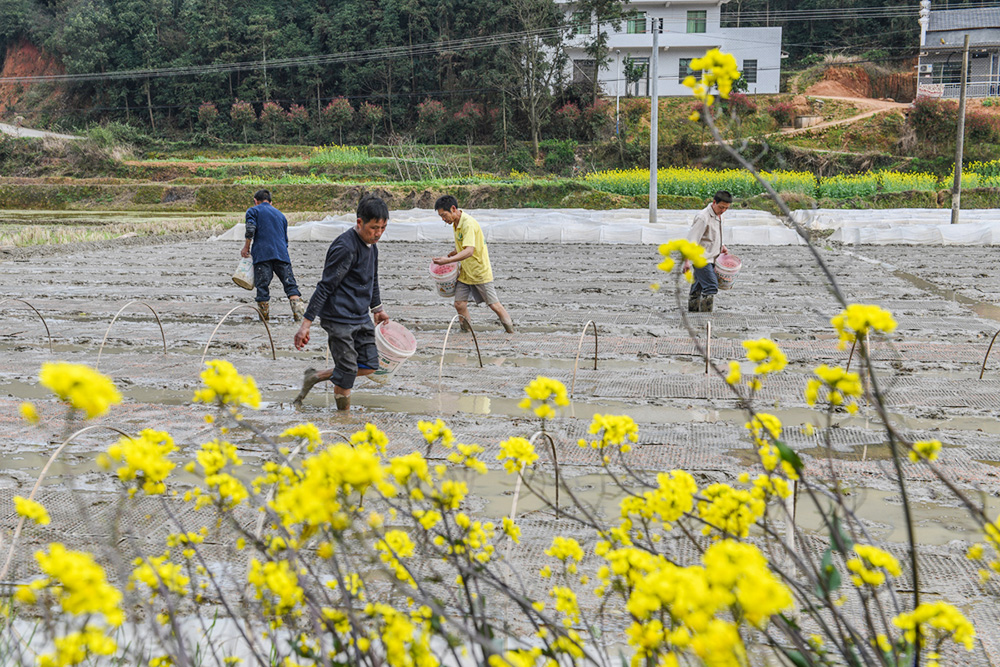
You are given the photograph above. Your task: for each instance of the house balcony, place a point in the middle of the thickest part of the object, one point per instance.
(668, 40)
(975, 90)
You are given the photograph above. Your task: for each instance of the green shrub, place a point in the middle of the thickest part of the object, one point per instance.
(114, 133)
(518, 159)
(559, 155)
(934, 120)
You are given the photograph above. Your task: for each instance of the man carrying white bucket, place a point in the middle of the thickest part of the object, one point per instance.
(707, 232)
(475, 278)
(344, 297)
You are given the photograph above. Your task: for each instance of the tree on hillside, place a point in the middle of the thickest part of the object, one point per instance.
(207, 113)
(431, 116)
(606, 14)
(468, 119)
(533, 66)
(16, 20)
(243, 115)
(272, 116)
(298, 118)
(338, 113)
(371, 115)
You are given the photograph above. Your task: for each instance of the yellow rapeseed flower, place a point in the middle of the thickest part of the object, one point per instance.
(718, 70)
(78, 584)
(75, 647)
(932, 622)
(29, 413)
(80, 386)
(542, 394)
(30, 509)
(615, 431)
(685, 250)
(766, 354)
(925, 449)
(859, 319)
(516, 452)
(145, 460)
(872, 565)
(307, 431)
(225, 386)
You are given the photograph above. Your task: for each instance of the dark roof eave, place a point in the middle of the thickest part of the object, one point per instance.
(949, 48)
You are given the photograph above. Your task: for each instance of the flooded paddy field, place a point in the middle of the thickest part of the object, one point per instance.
(944, 300)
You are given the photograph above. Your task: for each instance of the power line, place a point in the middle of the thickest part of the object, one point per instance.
(489, 41)
(458, 45)
(841, 13)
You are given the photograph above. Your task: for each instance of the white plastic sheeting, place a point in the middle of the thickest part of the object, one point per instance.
(986, 233)
(526, 225)
(826, 218)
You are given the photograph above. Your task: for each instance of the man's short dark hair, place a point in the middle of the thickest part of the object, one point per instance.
(723, 195)
(371, 207)
(445, 202)
(262, 195)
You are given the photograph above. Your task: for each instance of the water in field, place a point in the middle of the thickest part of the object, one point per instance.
(647, 367)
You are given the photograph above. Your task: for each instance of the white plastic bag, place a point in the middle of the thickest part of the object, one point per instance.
(243, 276)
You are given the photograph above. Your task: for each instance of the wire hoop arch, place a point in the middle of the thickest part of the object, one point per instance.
(579, 348)
(445, 346)
(115, 318)
(38, 483)
(44, 324)
(270, 339)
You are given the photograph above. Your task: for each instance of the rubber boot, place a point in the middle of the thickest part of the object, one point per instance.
(309, 380)
(265, 310)
(694, 303)
(707, 302)
(298, 308)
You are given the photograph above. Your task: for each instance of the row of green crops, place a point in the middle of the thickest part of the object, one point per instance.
(693, 182)
(705, 182)
(339, 155)
(980, 175)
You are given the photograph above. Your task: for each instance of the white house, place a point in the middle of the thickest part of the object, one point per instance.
(689, 28)
(942, 39)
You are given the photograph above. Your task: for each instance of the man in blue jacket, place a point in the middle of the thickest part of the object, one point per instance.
(344, 296)
(268, 229)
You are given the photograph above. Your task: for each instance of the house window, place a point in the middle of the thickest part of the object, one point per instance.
(582, 22)
(684, 71)
(697, 21)
(640, 87)
(583, 71)
(750, 71)
(637, 24)
(951, 72)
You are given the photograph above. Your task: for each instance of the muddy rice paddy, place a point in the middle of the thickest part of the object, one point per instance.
(946, 301)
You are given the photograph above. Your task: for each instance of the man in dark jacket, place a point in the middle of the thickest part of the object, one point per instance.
(268, 229)
(344, 296)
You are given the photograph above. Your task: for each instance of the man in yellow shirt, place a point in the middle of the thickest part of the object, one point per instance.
(475, 278)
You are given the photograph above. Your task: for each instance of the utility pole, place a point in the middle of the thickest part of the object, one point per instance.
(266, 96)
(618, 82)
(654, 108)
(956, 189)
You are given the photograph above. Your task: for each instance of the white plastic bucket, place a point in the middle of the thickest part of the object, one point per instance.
(243, 276)
(395, 345)
(445, 278)
(727, 267)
